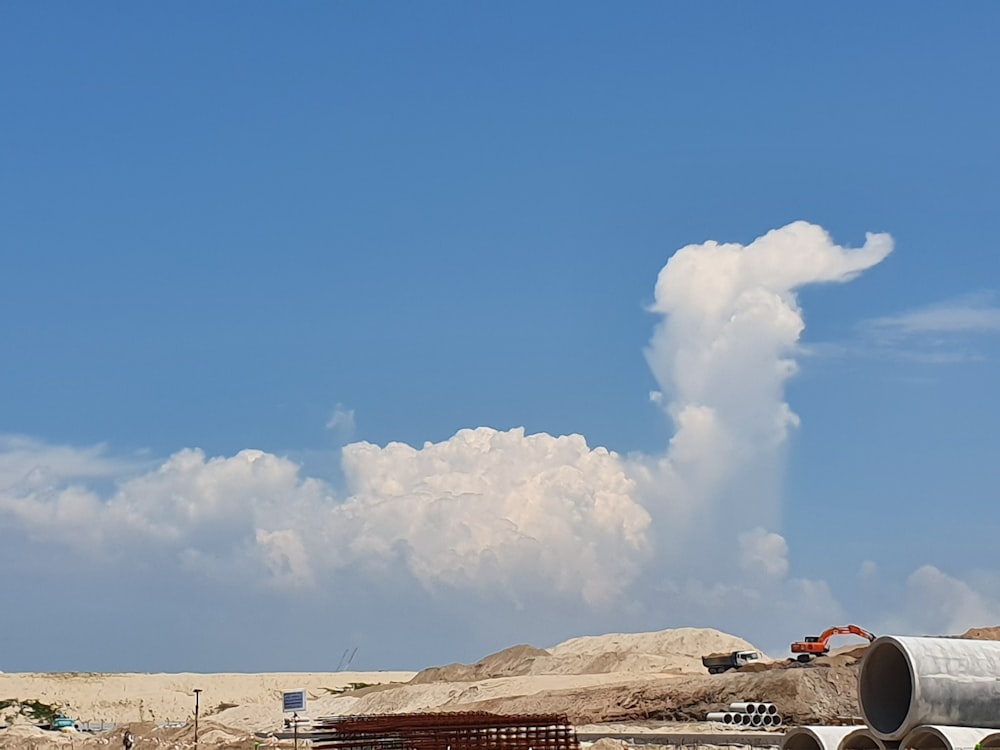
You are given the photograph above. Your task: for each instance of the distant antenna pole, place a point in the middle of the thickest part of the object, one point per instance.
(352, 657)
(340, 664)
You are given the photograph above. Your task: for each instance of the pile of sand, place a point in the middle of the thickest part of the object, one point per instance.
(982, 634)
(674, 651)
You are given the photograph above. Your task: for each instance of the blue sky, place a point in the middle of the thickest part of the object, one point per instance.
(327, 231)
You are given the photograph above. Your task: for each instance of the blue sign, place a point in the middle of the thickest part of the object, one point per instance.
(293, 701)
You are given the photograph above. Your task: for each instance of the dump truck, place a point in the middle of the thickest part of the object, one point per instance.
(721, 662)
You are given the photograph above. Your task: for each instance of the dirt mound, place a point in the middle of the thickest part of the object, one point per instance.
(841, 657)
(802, 694)
(511, 662)
(674, 651)
(982, 634)
(691, 643)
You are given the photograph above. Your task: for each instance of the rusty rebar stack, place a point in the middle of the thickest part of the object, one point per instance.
(444, 731)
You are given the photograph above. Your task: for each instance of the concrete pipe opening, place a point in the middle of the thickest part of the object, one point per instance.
(860, 739)
(991, 742)
(926, 740)
(885, 686)
(801, 741)
(813, 738)
(944, 738)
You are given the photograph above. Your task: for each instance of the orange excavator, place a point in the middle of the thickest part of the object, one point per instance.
(817, 645)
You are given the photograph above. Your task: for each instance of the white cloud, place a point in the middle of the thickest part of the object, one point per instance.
(763, 551)
(968, 314)
(341, 422)
(942, 333)
(505, 513)
(868, 570)
(500, 509)
(28, 462)
(935, 603)
(486, 509)
(723, 352)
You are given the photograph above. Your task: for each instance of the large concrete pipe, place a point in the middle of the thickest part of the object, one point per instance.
(862, 738)
(908, 681)
(991, 741)
(926, 737)
(813, 738)
(747, 707)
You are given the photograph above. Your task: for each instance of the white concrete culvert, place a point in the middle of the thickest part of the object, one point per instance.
(906, 682)
(931, 737)
(862, 738)
(814, 738)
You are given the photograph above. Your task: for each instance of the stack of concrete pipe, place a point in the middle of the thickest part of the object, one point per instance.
(919, 694)
(748, 714)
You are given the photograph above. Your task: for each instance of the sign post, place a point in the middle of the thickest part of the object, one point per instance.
(294, 701)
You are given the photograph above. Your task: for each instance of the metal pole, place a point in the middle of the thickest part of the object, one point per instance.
(295, 729)
(197, 694)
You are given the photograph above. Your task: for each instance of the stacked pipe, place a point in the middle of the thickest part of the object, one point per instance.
(920, 694)
(748, 714)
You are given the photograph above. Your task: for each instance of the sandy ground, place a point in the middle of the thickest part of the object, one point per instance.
(164, 698)
(236, 709)
(622, 684)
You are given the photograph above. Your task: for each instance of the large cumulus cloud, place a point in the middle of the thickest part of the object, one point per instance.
(501, 511)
